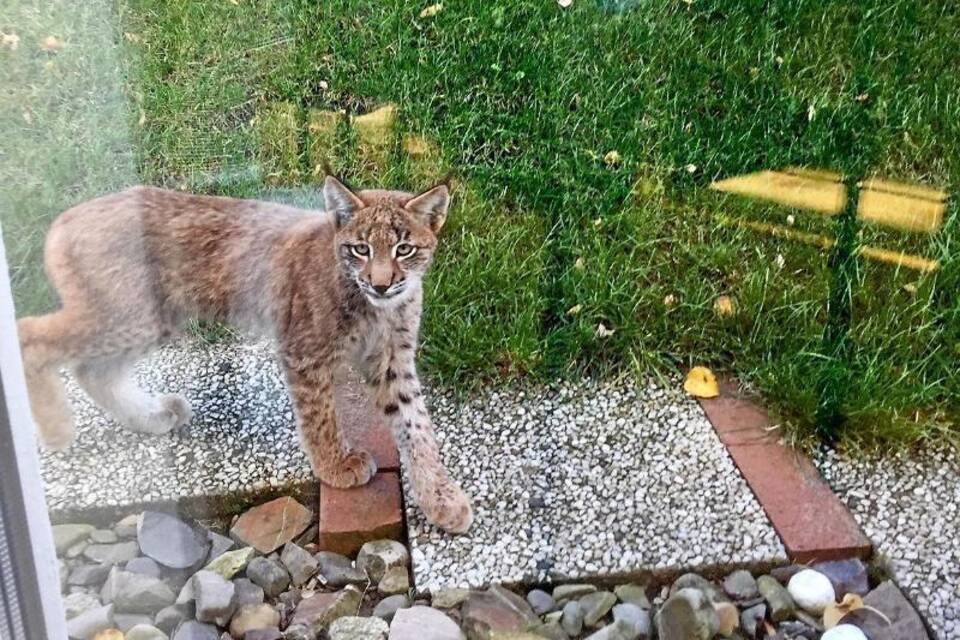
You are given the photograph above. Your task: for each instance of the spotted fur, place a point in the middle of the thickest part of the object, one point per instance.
(333, 287)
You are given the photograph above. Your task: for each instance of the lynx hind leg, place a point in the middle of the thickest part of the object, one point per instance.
(111, 385)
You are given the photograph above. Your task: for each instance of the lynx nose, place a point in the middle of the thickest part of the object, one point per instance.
(381, 288)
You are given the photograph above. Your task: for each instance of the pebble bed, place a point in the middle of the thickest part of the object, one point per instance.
(909, 506)
(570, 481)
(241, 439)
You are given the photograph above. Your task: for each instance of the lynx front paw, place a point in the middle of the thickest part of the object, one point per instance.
(170, 411)
(355, 469)
(447, 507)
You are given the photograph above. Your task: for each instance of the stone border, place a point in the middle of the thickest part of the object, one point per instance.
(810, 519)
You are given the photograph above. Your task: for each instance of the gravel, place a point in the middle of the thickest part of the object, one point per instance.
(587, 479)
(909, 506)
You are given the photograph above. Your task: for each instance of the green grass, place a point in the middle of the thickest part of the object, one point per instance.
(526, 98)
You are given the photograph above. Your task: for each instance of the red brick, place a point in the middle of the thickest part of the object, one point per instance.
(351, 517)
(808, 516)
(364, 426)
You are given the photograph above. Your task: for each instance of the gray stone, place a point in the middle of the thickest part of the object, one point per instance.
(377, 556)
(77, 603)
(687, 615)
(90, 622)
(136, 593)
(301, 565)
(752, 618)
(633, 594)
(230, 563)
(564, 592)
(634, 619)
(695, 581)
(596, 606)
(193, 630)
(264, 634)
(389, 606)
(170, 541)
(449, 598)
(356, 628)
(145, 632)
(888, 599)
(103, 536)
(846, 576)
(338, 571)
(88, 575)
(76, 550)
(247, 592)
(395, 580)
(67, 535)
(423, 623)
(317, 612)
(219, 545)
(62, 572)
(118, 553)
(269, 575)
(496, 609)
(127, 527)
(215, 597)
(618, 630)
(740, 585)
(144, 566)
(541, 602)
(253, 616)
(168, 618)
(551, 630)
(127, 621)
(572, 619)
(780, 605)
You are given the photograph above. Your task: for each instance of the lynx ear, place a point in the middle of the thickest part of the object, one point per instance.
(431, 206)
(340, 201)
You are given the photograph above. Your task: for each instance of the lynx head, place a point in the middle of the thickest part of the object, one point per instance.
(385, 239)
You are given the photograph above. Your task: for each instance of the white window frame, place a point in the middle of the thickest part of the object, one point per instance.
(30, 583)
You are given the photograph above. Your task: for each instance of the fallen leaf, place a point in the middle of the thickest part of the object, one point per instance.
(669, 301)
(432, 10)
(691, 168)
(51, 44)
(612, 158)
(724, 306)
(835, 611)
(564, 3)
(791, 219)
(603, 331)
(579, 264)
(575, 309)
(910, 288)
(27, 117)
(780, 261)
(597, 223)
(701, 383)
(10, 41)
(131, 37)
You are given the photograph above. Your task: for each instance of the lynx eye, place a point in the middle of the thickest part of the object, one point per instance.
(405, 250)
(360, 250)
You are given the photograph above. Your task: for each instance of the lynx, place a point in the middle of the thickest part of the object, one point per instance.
(343, 285)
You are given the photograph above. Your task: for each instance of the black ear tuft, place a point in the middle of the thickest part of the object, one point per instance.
(340, 201)
(432, 206)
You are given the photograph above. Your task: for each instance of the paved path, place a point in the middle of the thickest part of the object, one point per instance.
(909, 505)
(585, 480)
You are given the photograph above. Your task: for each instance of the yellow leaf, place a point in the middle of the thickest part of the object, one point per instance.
(612, 158)
(575, 309)
(432, 10)
(669, 301)
(51, 44)
(724, 306)
(701, 383)
(579, 264)
(835, 611)
(9, 40)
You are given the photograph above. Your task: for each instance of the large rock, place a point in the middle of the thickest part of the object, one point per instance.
(687, 615)
(377, 556)
(847, 576)
(319, 610)
(449, 598)
(216, 597)
(145, 632)
(634, 619)
(269, 526)
(77, 603)
(779, 603)
(541, 602)
(888, 599)
(301, 565)
(89, 575)
(90, 622)
(356, 628)
(230, 563)
(269, 575)
(698, 582)
(395, 580)
(564, 592)
(253, 616)
(170, 541)
(145, 566)
(137, 593)
(338, 571)
(193, 630)
(247, 592)
(751, 619)
(168, 618)
(741, 585)
(388, 607)
(67, 535)
(496, 609)
(219, 545)
(571, 619)
(596, 606)
(633, 594)
(118, 553)
(423, 623)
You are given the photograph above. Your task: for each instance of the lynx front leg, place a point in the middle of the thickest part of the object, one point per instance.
(311, 388)
(400, 398)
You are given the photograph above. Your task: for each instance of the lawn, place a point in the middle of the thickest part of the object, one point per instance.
(552, 237)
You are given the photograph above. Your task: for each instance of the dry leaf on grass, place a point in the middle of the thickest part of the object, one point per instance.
(51, 44)
(612, 158)
(579, 264)
(669, 301)
(432, 10)
(9, 41)
(701, 383)
(564, 3)
(604, 332)
(575, 309)
(851, 602)
(724, 306)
